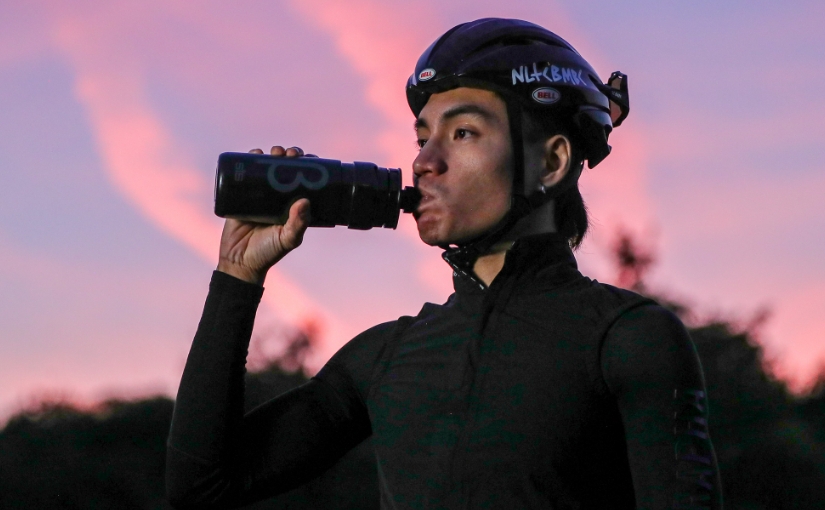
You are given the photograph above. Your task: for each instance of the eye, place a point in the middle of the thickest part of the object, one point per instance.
(462, 133)
(420, 143)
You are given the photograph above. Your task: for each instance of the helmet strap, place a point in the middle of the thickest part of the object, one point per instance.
(514, 117)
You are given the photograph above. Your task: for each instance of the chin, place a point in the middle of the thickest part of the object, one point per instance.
(429, 231)
(429, 238)
(436, 232)
(434, 238)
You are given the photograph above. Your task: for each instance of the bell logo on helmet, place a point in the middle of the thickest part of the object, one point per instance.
(426, 74)
(546, 95)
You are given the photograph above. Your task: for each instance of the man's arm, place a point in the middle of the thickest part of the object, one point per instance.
(215, 455)
(651, 367)
(218, 457)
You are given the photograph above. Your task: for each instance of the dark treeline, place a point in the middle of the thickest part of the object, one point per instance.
(770, 444)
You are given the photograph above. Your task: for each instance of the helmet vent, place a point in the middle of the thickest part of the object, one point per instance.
(514, 41)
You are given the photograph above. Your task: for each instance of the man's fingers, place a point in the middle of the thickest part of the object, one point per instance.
(256, 151)
(291, 152)
(293, 232)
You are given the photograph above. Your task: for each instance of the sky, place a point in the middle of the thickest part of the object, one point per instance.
(112, 115)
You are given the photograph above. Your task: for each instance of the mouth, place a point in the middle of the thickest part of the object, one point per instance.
(426, 199)
(409, 199)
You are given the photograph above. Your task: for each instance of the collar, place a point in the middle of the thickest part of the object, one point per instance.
(525, 260)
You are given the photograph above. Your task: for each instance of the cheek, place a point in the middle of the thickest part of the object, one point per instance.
(486, 199)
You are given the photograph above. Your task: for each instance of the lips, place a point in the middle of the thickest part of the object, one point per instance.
(427, 198)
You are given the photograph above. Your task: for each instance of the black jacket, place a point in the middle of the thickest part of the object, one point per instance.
(545, 390)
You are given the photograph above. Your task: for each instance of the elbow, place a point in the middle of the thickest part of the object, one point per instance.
(188, 496)
(184, 496)
(178, 500)
(193, 484)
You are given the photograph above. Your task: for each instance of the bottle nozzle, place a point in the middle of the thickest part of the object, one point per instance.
(409, 199)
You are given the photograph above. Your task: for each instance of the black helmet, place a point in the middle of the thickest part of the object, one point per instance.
(529, 65)
(533, 70)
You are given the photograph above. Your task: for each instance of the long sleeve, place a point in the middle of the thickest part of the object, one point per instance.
(651, 367)
(216, 456)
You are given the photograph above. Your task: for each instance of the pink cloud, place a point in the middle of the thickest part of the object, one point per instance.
(83, 350)
(379, 41)
(383, 41)
(145, 163)
(22, 34)
(109, 47)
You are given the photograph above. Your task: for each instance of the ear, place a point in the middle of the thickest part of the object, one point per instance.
(558, 154)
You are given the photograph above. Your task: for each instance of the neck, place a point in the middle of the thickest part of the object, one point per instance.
(540, 221)
(489, 265)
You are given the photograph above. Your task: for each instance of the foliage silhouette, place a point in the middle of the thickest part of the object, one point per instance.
(60, 457)
(770, 445)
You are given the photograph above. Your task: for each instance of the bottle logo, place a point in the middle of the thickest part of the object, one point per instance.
(546, 95)
(240, 171)
(307, 174)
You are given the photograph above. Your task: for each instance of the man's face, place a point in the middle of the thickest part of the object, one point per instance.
(464, 167)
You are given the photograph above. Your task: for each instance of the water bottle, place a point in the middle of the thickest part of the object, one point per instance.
(259, 188)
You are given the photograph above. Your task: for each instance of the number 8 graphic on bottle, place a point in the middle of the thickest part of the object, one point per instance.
(300, 178)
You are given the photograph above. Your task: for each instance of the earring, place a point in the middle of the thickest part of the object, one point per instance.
(542, 189)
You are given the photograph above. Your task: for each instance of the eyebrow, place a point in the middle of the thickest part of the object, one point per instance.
(462, 109)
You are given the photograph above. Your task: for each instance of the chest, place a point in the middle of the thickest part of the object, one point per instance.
(501, 382)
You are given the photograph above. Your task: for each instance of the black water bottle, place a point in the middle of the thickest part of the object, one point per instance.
(259, 188)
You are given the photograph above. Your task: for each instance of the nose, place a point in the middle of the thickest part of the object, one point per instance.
(430, 160)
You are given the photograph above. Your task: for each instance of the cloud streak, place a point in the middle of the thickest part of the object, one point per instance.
(146, 165)
(373, 36)
(163, 85)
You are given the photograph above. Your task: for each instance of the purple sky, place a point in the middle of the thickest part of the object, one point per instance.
(112, 116)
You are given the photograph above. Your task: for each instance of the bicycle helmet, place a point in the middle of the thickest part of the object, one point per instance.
(533, 70)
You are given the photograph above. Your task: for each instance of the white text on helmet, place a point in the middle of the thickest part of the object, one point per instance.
(551, 74)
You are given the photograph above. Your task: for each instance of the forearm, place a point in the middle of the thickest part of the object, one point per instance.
(278, 446)
(210, 398)
(210, 402)
(219, 457)
(652, 369)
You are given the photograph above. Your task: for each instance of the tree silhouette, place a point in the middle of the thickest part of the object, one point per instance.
(770, 444)
(633, 260)
(57, 456)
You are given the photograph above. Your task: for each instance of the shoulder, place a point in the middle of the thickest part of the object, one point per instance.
(646, 322)
(366, 347)
(350, 370)
(356, 363)
(648, 344)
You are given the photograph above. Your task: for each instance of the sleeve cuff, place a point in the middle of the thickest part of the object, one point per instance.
(226, 283)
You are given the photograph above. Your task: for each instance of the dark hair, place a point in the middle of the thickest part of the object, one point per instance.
(570, 211)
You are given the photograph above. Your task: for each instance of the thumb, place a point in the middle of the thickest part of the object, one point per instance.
(292, 234)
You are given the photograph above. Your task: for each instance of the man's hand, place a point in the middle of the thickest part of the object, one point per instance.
(248, 250)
